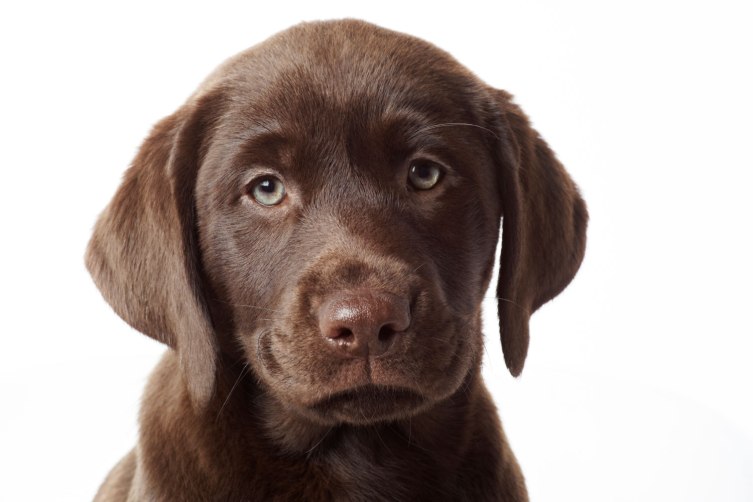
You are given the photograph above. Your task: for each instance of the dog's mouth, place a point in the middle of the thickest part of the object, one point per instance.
(369, 404)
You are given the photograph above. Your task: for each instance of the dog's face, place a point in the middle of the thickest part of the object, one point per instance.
(330, 202)
(348, 215)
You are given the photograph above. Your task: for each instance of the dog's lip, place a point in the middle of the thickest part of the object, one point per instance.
(370, 391)
(370, 401)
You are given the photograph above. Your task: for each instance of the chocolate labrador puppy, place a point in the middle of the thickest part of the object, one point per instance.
(312, 235)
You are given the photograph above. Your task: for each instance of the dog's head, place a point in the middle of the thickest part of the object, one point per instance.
(327, 205)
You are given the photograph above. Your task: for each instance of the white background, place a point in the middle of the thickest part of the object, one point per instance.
(638, 383)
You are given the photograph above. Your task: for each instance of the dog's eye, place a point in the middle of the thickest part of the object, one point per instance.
(268, 191)
(424, 174)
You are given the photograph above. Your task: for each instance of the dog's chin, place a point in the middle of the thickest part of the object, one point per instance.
(368, 405)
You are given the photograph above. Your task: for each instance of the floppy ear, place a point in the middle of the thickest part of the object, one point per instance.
(143, 255)
(543, 229)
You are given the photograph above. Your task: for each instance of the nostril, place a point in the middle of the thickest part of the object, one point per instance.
(342, 334)
(386, 333)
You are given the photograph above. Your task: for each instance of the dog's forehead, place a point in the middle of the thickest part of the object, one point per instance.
(345, 96)
(343, 69)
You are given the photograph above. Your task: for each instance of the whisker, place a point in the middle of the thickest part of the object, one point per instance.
(453, 124)
(375, 428)
(499, 298)
(246, 306)
(410, 437)
(237, 381)
(311, 450)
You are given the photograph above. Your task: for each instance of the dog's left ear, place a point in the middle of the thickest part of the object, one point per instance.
(543, 228)
(143, 255)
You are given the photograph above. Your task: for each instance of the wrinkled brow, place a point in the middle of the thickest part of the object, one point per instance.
(263, 144)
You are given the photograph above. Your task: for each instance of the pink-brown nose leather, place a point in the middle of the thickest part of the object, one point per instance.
(364, 323)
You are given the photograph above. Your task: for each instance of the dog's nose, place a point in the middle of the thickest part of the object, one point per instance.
(363, 324)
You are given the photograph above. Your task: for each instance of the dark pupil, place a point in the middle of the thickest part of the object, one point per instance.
(267, 186)
(423, 171)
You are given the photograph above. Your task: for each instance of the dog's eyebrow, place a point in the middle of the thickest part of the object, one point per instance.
(260, 130)
(262, 142)
(417, 126)
(452, 124)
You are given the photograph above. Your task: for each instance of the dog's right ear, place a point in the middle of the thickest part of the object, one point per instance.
(143, 254)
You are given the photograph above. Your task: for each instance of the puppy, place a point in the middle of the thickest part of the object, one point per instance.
(312, 235)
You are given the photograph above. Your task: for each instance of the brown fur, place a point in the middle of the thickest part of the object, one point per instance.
(251, 402)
